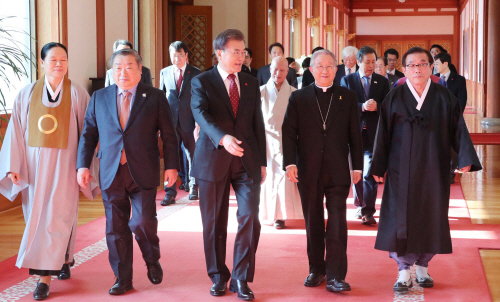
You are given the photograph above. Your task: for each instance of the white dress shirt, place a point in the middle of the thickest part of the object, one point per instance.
(420, 99)
(446, 76)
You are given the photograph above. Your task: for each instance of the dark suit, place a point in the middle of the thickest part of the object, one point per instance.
(307, 78)
(365, 192)
(145, 77)
(341, 73)
(252, 71)
(321, 157)
(398, 73)
(134, 183)
(392, 80)
(264, 74)
(180, 105)
(458, 86)
(215, 169)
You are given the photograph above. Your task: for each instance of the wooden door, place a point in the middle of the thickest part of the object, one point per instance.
(193, 26)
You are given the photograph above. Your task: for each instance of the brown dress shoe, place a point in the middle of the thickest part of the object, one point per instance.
(368, 220)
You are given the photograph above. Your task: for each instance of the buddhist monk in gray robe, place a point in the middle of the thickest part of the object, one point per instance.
(38, 159)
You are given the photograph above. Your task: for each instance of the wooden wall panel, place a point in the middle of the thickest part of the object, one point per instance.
(257, 36)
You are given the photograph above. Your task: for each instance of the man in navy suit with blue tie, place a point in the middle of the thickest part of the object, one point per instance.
(175, 81)
(125, 119)
(371, 89)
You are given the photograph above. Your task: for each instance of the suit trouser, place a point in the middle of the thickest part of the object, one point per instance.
(335, 235)
(183, 164)
(122, 196)
(214, 206)
(187, 138)
(365, 192)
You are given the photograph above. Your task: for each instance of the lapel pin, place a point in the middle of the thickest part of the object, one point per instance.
(144, 95)
(189, 71)
(375, 82)
(246, 84)
(340, 98)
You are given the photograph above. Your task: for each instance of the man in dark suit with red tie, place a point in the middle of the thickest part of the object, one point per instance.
(125, 119)
(230, 151)
(175, 81)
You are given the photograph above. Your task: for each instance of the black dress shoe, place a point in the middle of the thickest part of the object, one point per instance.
(402, 287)
(425, 282)
(193, 194)
(218, 289)
(41, 292)
(168, 200)
(182, 186)
(334, 285)
(65, 273)
(155, 272)
(279, 224)
(314, 279)
(241, 287)
(368, 220)
(121, 287)
(186, 187)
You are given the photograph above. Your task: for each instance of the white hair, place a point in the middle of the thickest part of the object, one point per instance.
(349, 51)
(323, 52)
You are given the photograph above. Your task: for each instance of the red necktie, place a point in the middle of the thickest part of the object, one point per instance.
(234, 95)
(179, 81)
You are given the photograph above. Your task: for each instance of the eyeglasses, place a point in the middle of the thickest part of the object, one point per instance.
(323, 68)
(413, 66)
(179, 56)
(237, 53)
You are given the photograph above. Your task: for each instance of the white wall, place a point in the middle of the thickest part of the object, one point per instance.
(227, 14)
(82, 47)
(116, 15)
(404, 25)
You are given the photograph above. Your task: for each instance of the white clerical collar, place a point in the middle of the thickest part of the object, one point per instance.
(420, 99)
(324, 88)
(224, 74)
(53, 94)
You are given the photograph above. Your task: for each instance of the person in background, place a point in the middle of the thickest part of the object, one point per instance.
(175, 81)
(381, 69)
(276, 50)
(214, 62)
(392, 56)
(279, 197)
(307, 77)
(248, 62)
(349, 63)
(146, 72)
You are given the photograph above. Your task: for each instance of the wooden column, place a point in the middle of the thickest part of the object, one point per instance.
(493, 55)
(101, 38)
(257, 31)
(286, 28)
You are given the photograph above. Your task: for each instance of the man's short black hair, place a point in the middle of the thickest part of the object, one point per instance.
(441, 49)
(249, 52)
(317, 48)
(391, 51)
(224, 37)
(443, 57)
(177, 46)
(384, 59)
(416, 50)
(290, 60)
(278, 45)
(306, 62)
(363, 51)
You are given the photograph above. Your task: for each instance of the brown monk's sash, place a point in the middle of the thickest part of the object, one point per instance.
(49, 126)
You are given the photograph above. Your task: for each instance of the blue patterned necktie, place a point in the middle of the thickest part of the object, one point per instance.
(444, 80)
(367, 86)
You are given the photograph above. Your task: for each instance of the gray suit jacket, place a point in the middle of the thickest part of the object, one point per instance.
(149, 114)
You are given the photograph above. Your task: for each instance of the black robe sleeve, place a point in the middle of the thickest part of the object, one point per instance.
(381, 145)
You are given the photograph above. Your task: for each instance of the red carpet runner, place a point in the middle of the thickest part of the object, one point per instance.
(281, 263)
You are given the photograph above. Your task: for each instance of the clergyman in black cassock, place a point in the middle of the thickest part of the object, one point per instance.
(414, 137)
(316, 148)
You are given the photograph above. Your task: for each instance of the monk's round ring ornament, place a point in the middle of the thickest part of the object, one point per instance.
(40, 124)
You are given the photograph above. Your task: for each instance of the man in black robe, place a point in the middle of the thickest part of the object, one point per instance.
(320, 128)
(420, 121)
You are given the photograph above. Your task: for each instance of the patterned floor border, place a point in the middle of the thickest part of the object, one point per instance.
(28, 285)
(415, 294)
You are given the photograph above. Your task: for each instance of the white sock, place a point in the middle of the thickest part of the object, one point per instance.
(421, 272)
(404, 275)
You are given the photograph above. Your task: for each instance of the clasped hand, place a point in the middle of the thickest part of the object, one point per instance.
(370, 105)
